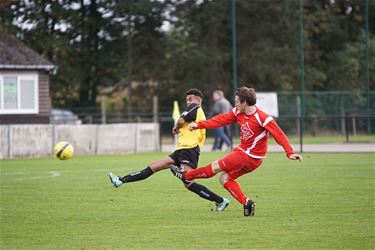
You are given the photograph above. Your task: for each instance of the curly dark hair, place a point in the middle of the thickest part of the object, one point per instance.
(195, 92)
(247, 95)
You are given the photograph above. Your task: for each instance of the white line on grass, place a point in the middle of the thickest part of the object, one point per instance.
(64, 171)
(52, 174)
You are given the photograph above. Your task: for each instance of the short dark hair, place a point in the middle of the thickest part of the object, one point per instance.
(247, 95)
(195, 92)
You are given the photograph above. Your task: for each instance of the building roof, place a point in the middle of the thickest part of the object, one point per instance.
(14, 54)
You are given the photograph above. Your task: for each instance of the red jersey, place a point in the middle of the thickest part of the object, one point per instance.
(254, 130)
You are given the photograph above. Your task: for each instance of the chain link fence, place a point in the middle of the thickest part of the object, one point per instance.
(325, 114)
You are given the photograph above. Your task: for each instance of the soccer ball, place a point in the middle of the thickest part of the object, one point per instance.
(63, 150)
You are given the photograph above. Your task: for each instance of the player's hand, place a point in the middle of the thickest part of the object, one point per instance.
(175, 130)
(193, 126)
(296, 157)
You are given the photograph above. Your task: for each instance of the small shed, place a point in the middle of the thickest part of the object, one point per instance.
(24, 83)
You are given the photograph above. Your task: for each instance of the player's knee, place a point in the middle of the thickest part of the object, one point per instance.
(155, 168)
(215, 167)
(223, 178)
(187, 184)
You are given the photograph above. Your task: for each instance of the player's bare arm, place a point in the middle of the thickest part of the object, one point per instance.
(296, 157)
(193, 126)
(178, 125)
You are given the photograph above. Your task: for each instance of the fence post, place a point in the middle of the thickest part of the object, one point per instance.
(347, 126)
(354, 127)
(102, 108)
(155, 108)
(300, 122)
(298, 104)
(315, 125)
(342, 114)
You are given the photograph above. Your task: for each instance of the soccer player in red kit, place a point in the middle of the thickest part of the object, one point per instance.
(255, 125)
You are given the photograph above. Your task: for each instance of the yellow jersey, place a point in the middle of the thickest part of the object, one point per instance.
(191, 139)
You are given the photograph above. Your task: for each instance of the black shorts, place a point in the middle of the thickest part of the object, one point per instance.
(186, 156)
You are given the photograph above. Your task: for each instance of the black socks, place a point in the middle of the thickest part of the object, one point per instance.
(200, 190)
(205, 193)
(137, 176)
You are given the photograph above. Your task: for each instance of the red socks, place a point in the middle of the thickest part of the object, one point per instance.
(206, 172)
(235, 190)
(199, 173)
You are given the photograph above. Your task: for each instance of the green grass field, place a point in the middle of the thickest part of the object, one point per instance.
(325, 202)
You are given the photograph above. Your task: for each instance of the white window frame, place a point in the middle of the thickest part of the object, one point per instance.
(20, 77)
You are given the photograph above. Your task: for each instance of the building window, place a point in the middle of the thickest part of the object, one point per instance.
(19, 94)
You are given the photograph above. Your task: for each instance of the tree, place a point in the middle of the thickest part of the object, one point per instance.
(101, 47)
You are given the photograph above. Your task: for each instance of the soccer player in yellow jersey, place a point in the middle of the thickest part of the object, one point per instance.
(187, 154)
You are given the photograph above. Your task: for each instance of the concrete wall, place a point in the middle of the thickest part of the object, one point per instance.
(22, 141)
(143, 139)
(117, 138)
(82, 137)
(30, 140)
(4, 142)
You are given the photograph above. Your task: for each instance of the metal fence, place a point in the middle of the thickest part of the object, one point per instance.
(325, 113)
(328, 112)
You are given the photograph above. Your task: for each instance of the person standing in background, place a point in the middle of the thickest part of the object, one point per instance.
(221, 106)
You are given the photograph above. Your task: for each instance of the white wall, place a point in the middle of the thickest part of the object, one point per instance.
(22, 141)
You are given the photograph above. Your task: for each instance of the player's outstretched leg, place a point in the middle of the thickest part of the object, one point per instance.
(136, 176)
(235, 190)
(249, 208)
(115, 180)
(222, 205)
(220, 202)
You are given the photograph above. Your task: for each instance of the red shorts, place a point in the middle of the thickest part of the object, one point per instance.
(237, 163)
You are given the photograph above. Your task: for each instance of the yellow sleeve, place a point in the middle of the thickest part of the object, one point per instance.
(202, 138)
